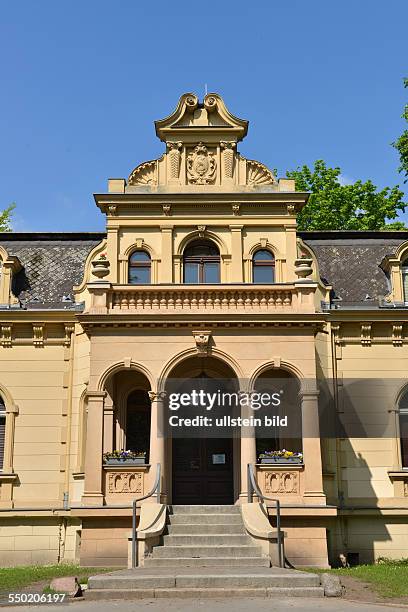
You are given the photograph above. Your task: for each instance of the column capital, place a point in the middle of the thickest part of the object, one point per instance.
(95, 395)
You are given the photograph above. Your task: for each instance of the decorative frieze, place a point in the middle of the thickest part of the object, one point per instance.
(125, 482)
(397, 334)
(281, 481)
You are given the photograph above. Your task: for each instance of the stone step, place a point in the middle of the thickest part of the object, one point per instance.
(179, 593)
(204, 509)
(204, 519)
(206, 540)
(205, 551)
(198, 580)
(212, 562)
(202, 529)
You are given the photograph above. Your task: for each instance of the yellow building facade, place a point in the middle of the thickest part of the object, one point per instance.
(201, 271)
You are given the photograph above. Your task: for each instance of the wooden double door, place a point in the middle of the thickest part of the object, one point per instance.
(203, 471)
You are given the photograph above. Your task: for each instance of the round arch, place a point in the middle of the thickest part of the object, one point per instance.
(119, 366)
(270, 365)
(197, 235)
(144, 247)
(176, 360)
(268, 247)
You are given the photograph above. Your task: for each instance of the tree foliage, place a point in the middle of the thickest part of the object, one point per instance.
(335, 206)
(5, 218)
(402, 143)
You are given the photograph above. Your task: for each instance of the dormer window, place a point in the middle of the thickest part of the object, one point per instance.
(263, 267)
(201, 262)
(140, 266)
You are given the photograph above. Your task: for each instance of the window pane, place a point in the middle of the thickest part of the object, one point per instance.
(263, 255)
(2, 439)
(405, 283)
(263, 274)
(139, 275)
(201, 248)
(191, 273)
(404, 439)
(211, 272)
(140, 256)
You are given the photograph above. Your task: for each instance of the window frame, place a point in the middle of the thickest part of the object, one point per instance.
(263, 263)
(201, 261)
(3, 432)
(133, 265)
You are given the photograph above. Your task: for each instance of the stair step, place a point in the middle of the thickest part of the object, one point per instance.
(194, 593)
(199, 580)
(204, 519)
(203, 529)
(205, 509)
(212, 562)
(206, 540)
(205, 551)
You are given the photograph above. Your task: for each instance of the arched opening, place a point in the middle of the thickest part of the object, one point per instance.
(263, 267)
(137, 431)
(201, 262)
(140, 266)
(127, 413)
(403, 425)
(276, 437)
(203, 457)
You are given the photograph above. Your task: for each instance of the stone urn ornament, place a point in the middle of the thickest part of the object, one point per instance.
(303, 267)
(100, 267)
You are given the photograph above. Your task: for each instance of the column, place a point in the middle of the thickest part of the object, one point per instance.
(108, 411)
(311, 448)
(94, 447)
(157, 444)
(166, 275)
(248, 452)
(236, 275)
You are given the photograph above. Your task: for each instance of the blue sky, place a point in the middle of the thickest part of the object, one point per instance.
(82, 83)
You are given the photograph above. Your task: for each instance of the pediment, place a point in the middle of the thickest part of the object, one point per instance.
(201, 121)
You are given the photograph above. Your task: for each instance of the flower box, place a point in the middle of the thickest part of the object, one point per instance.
(281, 460)
(125, 461)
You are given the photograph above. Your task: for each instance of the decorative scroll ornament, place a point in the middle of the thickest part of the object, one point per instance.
(201, 166)
(258, 174)
(202, 340)
(145, 174)
(281, 482)
(125, 482)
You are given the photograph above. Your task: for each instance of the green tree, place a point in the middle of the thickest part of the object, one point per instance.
(334, 206)
(5, 218)
(402, 143)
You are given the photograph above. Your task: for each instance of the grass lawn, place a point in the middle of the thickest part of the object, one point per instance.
(24, 575)
(388, 579)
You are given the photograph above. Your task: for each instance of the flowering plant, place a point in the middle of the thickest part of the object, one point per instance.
(122, 455)
(281, 453)
(103, 256)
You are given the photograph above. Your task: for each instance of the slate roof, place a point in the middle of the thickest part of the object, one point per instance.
(350, 261)
(54, 262)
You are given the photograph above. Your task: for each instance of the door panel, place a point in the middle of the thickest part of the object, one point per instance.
(200, 475)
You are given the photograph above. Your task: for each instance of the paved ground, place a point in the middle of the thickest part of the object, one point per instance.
(208, 605)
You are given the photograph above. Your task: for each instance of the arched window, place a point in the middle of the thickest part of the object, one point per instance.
(403, 421)
(140, 266)
(2, 431)
(263, 267)
(201, 262)
(404, 269)
(138, 423)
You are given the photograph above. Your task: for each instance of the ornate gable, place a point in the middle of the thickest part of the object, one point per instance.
(201, 149)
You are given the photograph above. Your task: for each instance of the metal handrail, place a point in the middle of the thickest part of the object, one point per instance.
(156, 489)
(253, 488)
